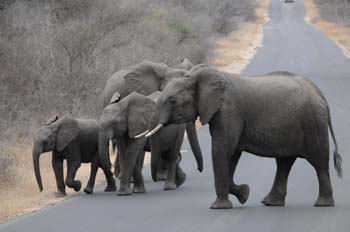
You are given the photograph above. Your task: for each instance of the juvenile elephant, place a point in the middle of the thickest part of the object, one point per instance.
(122, 122)
(75, 140)
(146, 78)
(278, 115)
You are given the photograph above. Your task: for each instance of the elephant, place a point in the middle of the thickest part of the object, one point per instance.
(122, 122)
(76, 141)
(146, 78)
(279, 115)
(166, 145)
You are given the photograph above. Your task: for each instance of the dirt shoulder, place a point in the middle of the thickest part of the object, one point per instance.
(21, 195)
(339, 34)
(233, 53)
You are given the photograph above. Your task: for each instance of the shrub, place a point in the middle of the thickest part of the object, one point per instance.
(55, 56)
(336, 11)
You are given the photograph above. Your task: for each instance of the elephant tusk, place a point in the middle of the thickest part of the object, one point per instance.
(141, 135)
(154, 130)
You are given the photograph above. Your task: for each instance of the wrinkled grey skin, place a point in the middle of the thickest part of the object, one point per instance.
(278, 115)
(166, 145)
(121, 122)
(75, 140)
(146, 78)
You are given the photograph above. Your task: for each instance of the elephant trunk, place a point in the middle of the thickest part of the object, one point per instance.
(103, 151)
(36, 155)
(193, 139)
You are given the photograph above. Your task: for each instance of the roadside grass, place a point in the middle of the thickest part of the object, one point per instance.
(340, 34)
(233, 52)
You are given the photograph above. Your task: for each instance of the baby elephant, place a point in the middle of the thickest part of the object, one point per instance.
(75, 140)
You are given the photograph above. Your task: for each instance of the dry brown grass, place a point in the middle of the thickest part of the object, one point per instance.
(339, 34)
(233, 52)
(55, 56)
(20, 195)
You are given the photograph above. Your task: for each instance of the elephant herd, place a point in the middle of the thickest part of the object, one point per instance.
(150, 106)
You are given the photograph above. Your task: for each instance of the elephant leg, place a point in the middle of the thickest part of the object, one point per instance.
(128, 163)
(240, 191)
(162, 171)
(57, 164)
(221, 174)
(325, 197)
(180, 176)
(139, 186)
(117, 165)
(277, 195)
(111, 186)
(94, 167)
(140, 160)
(170, 181)
(72, 167)
(321, 165)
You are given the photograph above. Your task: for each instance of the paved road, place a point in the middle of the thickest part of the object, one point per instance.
(289, 44)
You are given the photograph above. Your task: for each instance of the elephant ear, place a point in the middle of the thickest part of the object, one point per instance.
(210, 92)
(146, 77)
(68, 129)
(140, 112)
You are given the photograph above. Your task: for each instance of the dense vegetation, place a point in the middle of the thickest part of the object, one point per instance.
(336, 11)
(55, 55)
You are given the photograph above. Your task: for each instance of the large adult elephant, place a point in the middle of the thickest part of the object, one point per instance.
(280, 115)
(146, 78)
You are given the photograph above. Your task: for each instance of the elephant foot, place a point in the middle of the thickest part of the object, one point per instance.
(111, 187)
(180, 179)
(324, 202)
(169, 186)
(124, 191)
(139, 189)
(241, 192)
(273, 200)
(221, 204)
(88, 190)
(77, 186)
(60, 194)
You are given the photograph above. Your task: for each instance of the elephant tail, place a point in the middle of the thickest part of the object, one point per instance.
(336, 156)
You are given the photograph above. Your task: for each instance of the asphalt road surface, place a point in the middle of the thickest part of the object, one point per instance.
(290, 44)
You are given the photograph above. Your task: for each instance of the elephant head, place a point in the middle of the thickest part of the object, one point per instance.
(54, 136)
(183, 100)
(130, 118)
